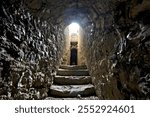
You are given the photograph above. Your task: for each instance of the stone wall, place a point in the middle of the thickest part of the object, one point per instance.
(119, 53)
(81, 48)
(30, 50)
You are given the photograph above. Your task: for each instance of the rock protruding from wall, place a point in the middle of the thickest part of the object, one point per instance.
(29, 53)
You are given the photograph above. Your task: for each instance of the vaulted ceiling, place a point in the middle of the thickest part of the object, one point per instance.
(91, 13)
(65, 11)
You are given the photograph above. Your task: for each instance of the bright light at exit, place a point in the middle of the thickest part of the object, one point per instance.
(74, 28)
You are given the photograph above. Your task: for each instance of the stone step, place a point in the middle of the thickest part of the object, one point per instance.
(72, 90)
(72, 80)
(73, 67)
(65, 72)
(77, 98)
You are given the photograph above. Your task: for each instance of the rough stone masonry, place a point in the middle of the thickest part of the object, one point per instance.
(116, 46)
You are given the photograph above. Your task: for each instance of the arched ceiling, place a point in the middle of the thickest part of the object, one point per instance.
(65, 11)
(88, 13)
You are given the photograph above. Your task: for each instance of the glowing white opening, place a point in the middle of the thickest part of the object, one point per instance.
(74, 28)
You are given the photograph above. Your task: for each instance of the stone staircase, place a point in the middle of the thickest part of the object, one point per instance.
(72, 82)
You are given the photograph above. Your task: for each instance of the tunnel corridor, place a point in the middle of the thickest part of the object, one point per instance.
(105, 56)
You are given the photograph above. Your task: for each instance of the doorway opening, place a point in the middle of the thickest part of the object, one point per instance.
(73, 53)
(73, 56)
